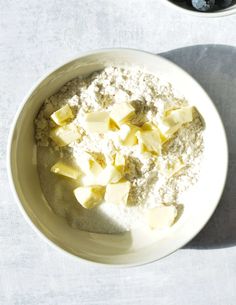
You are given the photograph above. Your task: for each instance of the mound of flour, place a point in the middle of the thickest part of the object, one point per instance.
(151, 185)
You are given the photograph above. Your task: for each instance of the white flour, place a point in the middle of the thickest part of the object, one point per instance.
(149, 175)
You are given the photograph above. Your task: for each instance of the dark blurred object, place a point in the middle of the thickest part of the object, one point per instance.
(205, 5)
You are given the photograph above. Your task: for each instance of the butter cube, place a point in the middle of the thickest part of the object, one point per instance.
(149, 141)
(90, 167)
(182, 115)
(92, 176)
(65, 135)
(161, 217)
(62, 115)
(98, 121)
(63, 169)
(168, 128)
(89, 196)
(113, 126)
(119, 161)
(118, 192)
(122, 112)
(109, 175)
(95, 168)
(148, 126)
(170, 124)
(88, 164)
(127, 134)
(151, 126)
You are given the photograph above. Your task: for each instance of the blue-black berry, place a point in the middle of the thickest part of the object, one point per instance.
(203, 5)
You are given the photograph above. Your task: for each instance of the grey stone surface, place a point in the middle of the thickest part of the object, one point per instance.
(35, 36)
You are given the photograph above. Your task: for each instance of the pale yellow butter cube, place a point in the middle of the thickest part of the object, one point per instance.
(89, 196)
(88, 164)
(122, 112)
(151, 126)
(161, 217)
(109, 175)
(62, 115)
(127, 134)
(148, 126)
(98, 121)
(65, 135)
(182, 115)
(149, 141)
(113, 126)
(95, 168)
(120, 160)
(168, 128)
(63, 169)
(118, 192)
(91, 177)
(90, 167)
(170, 124)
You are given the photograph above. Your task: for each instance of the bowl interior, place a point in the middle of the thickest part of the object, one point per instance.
(134, 247)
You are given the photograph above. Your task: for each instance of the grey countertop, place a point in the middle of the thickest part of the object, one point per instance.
(35, 36)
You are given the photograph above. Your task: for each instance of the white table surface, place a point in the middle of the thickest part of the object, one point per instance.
(35, 36)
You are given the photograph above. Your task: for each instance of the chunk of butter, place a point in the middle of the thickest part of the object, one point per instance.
(63, 169)
(109, 175)
(89, 196)
(98, 121)
(127, 134)
(149, 141)
(170, 124)
(65, 135)
(88, 164)
(118, 192)
(151, 126)
(62, 115)
(120, 161)
(90, 167)
(148, 126)
(122, 112)
(161, 217)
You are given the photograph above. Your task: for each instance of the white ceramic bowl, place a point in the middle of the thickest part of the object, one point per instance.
(220, 13)
(132, 248)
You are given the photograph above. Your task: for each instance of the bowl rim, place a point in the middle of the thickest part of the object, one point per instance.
(10, 172)
(220, 13)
